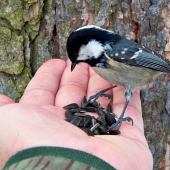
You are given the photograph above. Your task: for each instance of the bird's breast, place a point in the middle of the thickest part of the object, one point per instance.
(132, 77)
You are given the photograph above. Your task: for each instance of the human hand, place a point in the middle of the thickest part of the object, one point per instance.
(38, 119)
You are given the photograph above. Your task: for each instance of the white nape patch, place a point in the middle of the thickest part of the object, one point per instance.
(122, 52)
(93, 26)
(136, 53)
(140, 50)
(91, 50)
(116, 54)
(107, 47)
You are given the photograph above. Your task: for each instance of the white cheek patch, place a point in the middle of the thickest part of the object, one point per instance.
(91, 50)
(107, 47)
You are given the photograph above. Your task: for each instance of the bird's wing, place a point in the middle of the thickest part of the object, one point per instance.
(137, 55)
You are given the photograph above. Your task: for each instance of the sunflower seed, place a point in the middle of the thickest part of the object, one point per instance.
(78, 110)
(81, 124)
(93, 120)
(101, 112)
(96, 132)
(104, 133)
(103, 127)
(94, 127)
(101, 120)
(109, 108)
(70, 118)
(84, 100)
(90, 109)
(110, 119)
(75, 120)
(83, 105)
(94, 104)
(71, 106)
(87, 120)
(68, 113)
(114, 132)
(80, 114)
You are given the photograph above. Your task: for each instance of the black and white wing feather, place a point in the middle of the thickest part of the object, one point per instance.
(137, 55)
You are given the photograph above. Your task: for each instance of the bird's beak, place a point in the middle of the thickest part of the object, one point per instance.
(73, 65)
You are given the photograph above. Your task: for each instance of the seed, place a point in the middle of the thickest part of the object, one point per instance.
(90, 109)
(93, 120)
(75, 120)
(81, 124)
(110, 119)
(109, 108)
(96, 132)
(101, 120)
(70, 118)
(68, 113)
(94, 104)
(101, 112)
(84, 100)
(87, 120)
(88, 131)
(80, 114)
(78, 110)
(71, 106)
(103, 127)
(84, 105)
(114, 132)
(94, 127)
(104, 133)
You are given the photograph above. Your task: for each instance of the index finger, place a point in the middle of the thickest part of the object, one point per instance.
(43, 87)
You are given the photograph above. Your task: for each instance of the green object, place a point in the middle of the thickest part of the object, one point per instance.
(55, 157)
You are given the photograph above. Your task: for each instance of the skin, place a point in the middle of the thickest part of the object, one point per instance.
(38, 119)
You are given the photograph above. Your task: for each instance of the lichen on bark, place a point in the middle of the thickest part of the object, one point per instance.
(19, 25)
(39, 47)
(11, 51)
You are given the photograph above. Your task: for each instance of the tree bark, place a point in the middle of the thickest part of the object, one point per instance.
(34, 31)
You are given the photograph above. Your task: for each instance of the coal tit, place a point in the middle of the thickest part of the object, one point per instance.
(116, 59)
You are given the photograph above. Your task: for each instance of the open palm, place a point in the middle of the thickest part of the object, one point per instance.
(38, 119)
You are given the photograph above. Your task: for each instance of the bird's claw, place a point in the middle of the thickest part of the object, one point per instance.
(119, 122)
(101, 94)
(129, 119)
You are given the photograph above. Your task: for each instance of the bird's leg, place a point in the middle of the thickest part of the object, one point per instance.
(101, 94)
(128, 95)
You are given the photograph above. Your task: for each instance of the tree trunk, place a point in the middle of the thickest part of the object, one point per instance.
(34, 31)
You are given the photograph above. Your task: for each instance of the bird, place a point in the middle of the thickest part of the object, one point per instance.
(116, 59)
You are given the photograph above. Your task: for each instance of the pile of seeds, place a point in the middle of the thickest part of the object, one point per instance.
(89, 124)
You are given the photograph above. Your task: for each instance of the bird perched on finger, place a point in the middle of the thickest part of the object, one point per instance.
(119, 61)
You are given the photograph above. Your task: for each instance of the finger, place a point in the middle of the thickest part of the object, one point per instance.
(73, 85)
(5, 100)
(133, 109)
(96, 84)
(43, 87)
